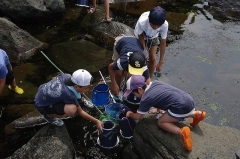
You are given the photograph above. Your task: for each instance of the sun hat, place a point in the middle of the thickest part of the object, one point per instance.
(136, 64)
(134, 82)
(80, 77)
(157, 16)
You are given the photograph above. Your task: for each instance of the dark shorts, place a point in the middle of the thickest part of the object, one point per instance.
(152, 42)
(57, 108)
(9, 76)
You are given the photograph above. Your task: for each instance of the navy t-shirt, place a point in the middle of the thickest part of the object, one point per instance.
(55, 91)
(125, 46)
(164, 96)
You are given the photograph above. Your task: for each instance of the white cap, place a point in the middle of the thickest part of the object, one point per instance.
(81, 77)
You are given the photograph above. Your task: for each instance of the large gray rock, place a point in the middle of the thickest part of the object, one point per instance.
(49, 142)
(18, 43)
(30, 9)
(209, 141)
(73, 55)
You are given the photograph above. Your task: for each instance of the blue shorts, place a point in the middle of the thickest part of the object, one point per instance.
(182, 110)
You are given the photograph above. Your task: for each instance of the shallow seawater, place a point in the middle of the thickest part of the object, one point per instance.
(205, 63)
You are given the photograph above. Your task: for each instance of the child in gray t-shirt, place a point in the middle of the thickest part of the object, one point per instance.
(174, 105)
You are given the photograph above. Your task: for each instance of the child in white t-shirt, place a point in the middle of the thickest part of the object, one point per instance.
(147, 29)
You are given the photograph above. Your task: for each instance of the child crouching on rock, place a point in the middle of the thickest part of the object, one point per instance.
(174, 104)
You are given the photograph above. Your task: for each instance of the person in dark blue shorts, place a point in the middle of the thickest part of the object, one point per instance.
(172, 103)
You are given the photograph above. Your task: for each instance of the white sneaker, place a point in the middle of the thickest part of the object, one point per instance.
(53, 120)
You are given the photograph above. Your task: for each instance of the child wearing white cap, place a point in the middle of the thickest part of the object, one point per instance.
(147, 29)
(59, 97)
(174, 104)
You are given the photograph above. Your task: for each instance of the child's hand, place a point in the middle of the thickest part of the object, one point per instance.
(128, 113)
(99, 125)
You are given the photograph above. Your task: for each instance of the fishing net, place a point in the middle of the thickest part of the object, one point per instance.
(114, 109)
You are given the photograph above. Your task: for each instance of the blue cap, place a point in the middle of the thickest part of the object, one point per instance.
(157, 16)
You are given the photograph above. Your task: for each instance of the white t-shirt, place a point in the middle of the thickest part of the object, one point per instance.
(143, 25)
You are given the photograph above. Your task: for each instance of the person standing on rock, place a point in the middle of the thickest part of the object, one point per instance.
(171, 104)
(106, 7)
(6, 74)
(147, 29)
(127, 56)
(59, 97)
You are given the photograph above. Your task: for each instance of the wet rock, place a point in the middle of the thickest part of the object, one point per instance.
(13, 112)
(49, 142)
(31, 9)
(29, 120)
(224, 10)
(209, 141)
(80, 54)
(25, 75)
(107, 32)
(18, 43)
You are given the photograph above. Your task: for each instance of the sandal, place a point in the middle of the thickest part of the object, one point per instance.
(91, 10)
(109, 19)
(16, 90)
(200, 115)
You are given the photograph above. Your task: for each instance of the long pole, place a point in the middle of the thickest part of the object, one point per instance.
(109, 90)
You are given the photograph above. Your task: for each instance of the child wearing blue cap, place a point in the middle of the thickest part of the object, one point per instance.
(147, 29)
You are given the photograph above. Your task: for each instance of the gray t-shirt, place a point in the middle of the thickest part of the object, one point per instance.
(166, 97)
(55, 91)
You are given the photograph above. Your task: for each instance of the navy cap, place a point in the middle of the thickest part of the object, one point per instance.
(157, 16)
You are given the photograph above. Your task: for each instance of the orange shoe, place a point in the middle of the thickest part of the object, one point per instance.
(200, 115)
(186, 137)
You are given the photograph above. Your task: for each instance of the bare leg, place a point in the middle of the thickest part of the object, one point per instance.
(13, 84)
(152, 61)
(106, 7)
(166, 123)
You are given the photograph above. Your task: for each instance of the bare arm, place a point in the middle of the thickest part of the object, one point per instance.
(141, 38)
(2, 84)
(85, 115)
(135, 116)
(115, 87)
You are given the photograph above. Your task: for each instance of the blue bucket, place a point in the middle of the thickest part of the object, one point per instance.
(108, 138)
(82, 3)
(126, 125)
(132, 99)
(100, 95)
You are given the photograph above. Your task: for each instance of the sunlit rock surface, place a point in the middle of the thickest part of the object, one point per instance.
(209, 141)
(18, 43)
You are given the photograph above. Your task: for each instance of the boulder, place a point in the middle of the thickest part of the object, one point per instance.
(23, 10)
(209, 141)
(18, 43)
(73, 55)
(49, 142)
